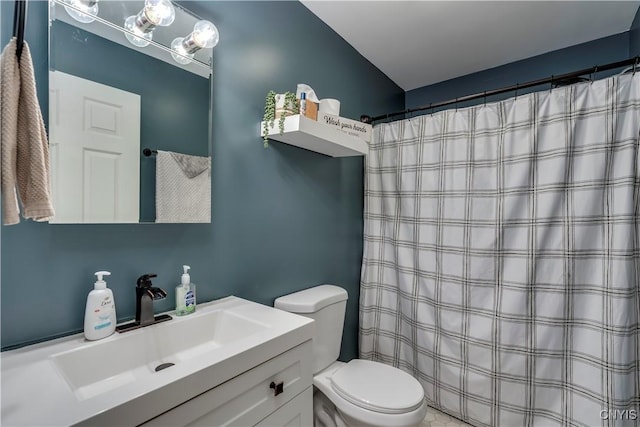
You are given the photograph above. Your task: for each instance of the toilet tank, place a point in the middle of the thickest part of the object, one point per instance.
(326, 304)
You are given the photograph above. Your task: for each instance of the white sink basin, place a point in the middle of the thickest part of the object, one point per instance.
(70, 381)
(134, 355)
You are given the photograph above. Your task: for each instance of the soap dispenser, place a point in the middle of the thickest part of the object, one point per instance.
(185, 294)
(100, 313)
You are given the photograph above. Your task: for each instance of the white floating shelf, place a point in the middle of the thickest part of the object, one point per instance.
(317, 136)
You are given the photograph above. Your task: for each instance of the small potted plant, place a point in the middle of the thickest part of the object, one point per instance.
(278, 106)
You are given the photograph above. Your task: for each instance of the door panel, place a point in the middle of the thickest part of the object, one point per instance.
(95, 146)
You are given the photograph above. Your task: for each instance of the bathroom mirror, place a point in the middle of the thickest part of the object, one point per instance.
(109, 100)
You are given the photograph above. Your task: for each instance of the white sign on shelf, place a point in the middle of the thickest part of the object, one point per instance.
(348, 126)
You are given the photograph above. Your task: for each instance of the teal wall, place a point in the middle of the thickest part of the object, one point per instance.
(634, 36)
(283, 219)
(581, 56)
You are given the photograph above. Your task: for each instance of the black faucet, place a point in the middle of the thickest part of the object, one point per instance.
(146, 293)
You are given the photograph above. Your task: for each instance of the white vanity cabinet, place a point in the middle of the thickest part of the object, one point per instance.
(250, 398)
(217, 367)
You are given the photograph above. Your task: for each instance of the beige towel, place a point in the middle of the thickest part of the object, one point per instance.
(23, 141)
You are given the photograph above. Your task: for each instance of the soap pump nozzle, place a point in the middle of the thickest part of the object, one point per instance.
(186, 279)
(101, 284)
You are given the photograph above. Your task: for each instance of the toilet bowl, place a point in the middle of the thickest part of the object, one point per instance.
(359, 392)
(389, 397)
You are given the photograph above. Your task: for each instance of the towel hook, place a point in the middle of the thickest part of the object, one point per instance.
(19, 22)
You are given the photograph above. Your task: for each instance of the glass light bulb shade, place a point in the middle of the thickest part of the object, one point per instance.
(141, 39)
(179, 54)
(159, 12)
(89, 10)
(205, 34)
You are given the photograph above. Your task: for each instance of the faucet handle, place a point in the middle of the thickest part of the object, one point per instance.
(144, 281)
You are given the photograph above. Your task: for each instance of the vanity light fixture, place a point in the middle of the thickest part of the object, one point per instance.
(88, 10)
(154, 13)
(204, 35)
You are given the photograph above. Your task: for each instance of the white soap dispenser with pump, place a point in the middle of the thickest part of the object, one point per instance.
(185, 294)
(100, 313)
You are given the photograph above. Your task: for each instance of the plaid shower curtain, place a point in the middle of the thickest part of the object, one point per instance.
(502, 256)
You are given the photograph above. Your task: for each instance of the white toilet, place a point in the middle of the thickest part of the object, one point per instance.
(360, 392)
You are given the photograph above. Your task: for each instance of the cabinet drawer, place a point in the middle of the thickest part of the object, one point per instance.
(298, 412)
(247, 398)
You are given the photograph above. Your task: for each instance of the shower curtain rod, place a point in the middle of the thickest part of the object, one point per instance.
(553, 79)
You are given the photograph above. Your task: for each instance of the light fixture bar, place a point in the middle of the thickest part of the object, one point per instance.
(152, 43)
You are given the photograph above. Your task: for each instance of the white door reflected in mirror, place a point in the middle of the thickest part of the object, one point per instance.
(94, 138)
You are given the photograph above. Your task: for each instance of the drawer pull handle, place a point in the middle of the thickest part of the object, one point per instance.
(277, 388)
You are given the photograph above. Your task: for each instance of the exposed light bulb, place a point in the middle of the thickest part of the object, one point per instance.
(205, 34)
(178, 53)
(154, 13)
(87, 13)
(159, 12)
(141, 39)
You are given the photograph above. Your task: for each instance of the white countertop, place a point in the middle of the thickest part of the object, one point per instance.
(35, 392)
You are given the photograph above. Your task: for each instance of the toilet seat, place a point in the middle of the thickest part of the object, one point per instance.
(377, 387)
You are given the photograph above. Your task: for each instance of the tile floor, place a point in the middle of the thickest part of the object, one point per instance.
(436, 418)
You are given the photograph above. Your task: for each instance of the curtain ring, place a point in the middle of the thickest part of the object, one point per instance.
(551, 83)
(485, 98)
(635, 65)
(517, 84)
(595, 71)
(456, 104)
(431, 108)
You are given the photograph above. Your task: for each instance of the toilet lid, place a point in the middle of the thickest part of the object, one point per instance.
(377, 387)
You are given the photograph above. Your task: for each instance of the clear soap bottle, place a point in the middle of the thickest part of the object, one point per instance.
(185, 294)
